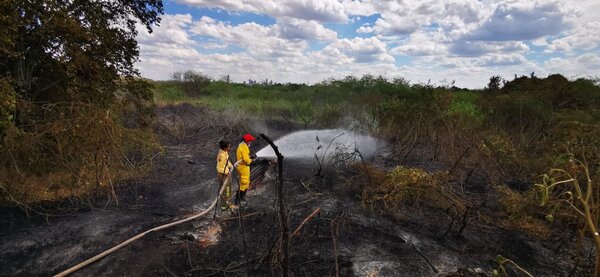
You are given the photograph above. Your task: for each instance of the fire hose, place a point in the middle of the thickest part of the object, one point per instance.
(122, 244)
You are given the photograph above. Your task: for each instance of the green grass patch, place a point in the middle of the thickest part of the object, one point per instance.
(464, 104)
(169, 93)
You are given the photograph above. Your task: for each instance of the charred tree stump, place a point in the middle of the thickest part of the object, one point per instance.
(282, 211)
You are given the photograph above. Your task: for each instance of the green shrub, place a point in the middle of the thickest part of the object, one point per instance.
(168, 92)
(464, 106)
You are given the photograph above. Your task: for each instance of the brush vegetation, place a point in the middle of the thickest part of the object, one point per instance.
(498, 141)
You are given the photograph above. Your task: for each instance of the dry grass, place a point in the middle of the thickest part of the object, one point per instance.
(407, 186)
(523, 212)
(77, 149)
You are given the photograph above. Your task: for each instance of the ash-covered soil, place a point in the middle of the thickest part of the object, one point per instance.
(343, 238)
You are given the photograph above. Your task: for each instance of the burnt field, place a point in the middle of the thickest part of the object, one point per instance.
(332, 231)
(382, 175)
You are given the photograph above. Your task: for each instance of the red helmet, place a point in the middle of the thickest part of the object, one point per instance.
(248, 138)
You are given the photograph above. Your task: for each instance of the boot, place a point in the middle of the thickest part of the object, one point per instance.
(240, 196)
(243, 197)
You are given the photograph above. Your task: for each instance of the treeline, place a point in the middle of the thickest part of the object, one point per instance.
(72, 109)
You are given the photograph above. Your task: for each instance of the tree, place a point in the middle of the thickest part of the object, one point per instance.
(192, 82)
(49, 48)
(63, 61)
(495, 84)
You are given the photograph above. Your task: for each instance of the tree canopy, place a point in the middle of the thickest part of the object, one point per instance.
(49, 48)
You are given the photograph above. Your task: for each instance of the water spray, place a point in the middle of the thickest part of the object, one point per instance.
(324, 144)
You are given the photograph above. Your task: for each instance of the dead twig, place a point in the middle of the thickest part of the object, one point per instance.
(304, 202)
(463, 222)
(460, 159)
(424, 258)
(169, 271)
(305, 221)
(306, 186)
(452, 221)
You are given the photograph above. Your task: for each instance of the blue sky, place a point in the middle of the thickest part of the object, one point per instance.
(308, 41)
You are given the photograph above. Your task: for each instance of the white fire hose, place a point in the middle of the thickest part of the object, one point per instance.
(122, 244)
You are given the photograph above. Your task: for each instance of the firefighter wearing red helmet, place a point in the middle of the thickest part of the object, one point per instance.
(244, 159)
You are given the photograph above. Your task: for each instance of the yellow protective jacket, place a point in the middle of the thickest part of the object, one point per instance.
(243, 167)
(223, 164)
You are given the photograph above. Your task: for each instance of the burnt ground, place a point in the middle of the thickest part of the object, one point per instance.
(182, 181)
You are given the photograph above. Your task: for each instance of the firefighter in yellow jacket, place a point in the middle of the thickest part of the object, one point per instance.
(224, 168)
(244, 159)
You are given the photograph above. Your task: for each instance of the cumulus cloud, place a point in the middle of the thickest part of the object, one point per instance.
(361, 50)
(364, 30)
(173, 31)
(522, 21)
(318, 10)
(293, 28)
(467, 11)
(591, 60)
(257, 39)
(397, 24)
(501, 60)
(540, 41)
(580, 66)
(406, 17)
(585, 37)
(422, 44)
(478, 48)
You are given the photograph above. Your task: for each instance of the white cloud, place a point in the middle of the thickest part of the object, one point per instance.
(292, 28)
(397, 23)
(422, 44)
(540, 41)
(581, 66)
(406, 17)
(361, 50)
(522, 21)
(501, 60)
(478, 48)
(318, 10)
(584, 37)
(257, 39)
(213, 45)
(364, 30)
(592, 60)
(172, 31)
(467, 11)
